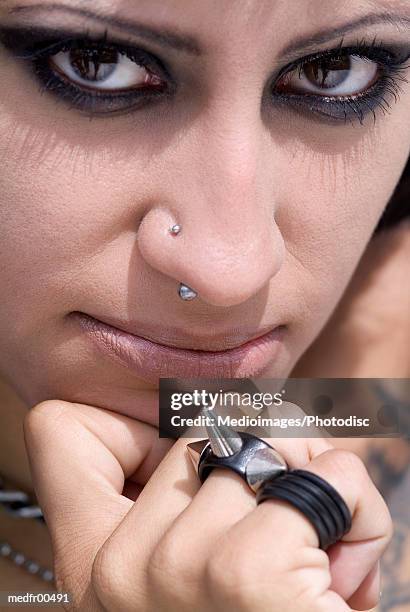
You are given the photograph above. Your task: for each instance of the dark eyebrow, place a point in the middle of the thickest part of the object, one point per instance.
(309, 44)
(167, 38)
(186, 43)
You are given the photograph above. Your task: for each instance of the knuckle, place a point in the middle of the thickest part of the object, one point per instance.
(347, 472)
(231, 577)
(348, 463)
(44, 416)
(49, 408)
(110, 580)
(388, 525)
(173, 574)
(237, 582)
(167, 561)
(103, 578)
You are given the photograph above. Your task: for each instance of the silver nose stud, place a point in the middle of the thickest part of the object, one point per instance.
(175, 229)
(184, 292)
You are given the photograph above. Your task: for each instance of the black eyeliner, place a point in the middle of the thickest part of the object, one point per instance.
(24, 42)
(391, 60)
(34, 46)
(37, 44)
(389, 53)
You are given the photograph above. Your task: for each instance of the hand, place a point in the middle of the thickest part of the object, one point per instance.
(185, 547)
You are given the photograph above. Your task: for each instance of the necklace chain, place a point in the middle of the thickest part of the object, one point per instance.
(18, 504)
(20, 559)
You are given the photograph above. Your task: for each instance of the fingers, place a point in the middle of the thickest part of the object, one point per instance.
(174, 534)
(123, 566)
(235, 539)
(353, 558)
(79, 457)
(224, 498)
(128, 552)
(176, 482)
(367, 595)
(290, 541)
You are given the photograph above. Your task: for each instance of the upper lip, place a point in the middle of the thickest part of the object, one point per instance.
(177, 338)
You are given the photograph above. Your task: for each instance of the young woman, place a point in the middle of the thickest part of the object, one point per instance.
(273, 138)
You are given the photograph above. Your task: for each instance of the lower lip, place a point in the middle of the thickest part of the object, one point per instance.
(150, 361)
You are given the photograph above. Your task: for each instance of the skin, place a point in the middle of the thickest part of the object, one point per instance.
(216, 574)
(364, 320)
(245, 166)
(385, 469)
(355, 338)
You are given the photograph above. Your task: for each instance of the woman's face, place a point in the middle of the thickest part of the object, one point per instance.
(273, 135)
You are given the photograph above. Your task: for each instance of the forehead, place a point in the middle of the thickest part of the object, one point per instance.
(261, 14)
(241, 27)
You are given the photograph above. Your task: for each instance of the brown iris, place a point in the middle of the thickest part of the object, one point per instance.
(93, 64)
(327, 72)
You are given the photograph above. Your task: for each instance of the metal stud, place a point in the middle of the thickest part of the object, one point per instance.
(186, 293)
(175, 229)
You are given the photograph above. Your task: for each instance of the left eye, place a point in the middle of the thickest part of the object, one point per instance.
(102, 69)
(344, 76)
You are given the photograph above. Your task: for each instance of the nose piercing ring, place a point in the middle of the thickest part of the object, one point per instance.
(184, 292)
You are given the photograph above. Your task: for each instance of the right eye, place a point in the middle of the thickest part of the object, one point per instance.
(103, 69)
(94, 76)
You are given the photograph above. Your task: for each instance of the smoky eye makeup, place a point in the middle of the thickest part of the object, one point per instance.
(92, 74)
(345, 83)
(100, 76)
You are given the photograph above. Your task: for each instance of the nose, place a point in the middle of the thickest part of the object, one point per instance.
(221, 192)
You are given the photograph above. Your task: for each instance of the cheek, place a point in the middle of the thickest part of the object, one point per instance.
(51, 226)
(67, 232)
(330, 206)
(56, 211)
(48, 216)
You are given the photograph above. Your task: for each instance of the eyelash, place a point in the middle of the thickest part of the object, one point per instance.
(334, 109)
(387, 87)
(94, 103)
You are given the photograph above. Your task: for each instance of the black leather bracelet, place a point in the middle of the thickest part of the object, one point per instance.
(320, 503)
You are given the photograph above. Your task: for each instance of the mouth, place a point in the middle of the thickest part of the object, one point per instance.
(149, 360)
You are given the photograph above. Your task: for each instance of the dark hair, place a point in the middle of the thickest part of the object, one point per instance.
(398, 207)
